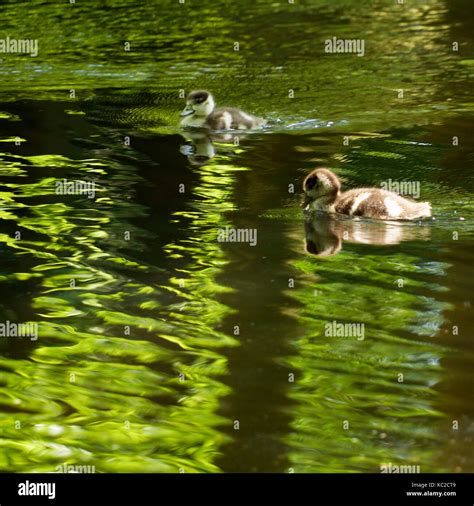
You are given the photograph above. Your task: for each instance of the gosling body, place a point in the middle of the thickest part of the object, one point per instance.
(323, 193)
(200, 112)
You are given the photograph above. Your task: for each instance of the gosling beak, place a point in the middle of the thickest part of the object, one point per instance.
(187, 111)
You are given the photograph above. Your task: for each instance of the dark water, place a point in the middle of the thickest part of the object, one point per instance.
(161, 349)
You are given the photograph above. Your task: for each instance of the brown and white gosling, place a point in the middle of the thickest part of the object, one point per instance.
(323, 193)
(200, 112)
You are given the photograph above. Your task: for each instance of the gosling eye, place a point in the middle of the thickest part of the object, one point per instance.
(311, 182)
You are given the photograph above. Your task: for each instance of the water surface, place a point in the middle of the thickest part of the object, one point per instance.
(161, 349)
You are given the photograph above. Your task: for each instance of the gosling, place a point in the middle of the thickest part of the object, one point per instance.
(200, 112)
(323, 193)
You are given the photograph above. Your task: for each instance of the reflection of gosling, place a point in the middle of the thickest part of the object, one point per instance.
(324, 234)
(200, 112)
(201, 150)
(323, 192)
(321, 238)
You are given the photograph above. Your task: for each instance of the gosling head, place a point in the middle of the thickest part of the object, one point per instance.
(200, 103)
(321, 184)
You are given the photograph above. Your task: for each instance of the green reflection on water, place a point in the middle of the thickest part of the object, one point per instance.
(104, 386)
(373, 393)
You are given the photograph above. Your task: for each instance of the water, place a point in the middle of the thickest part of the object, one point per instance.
(161, 349)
